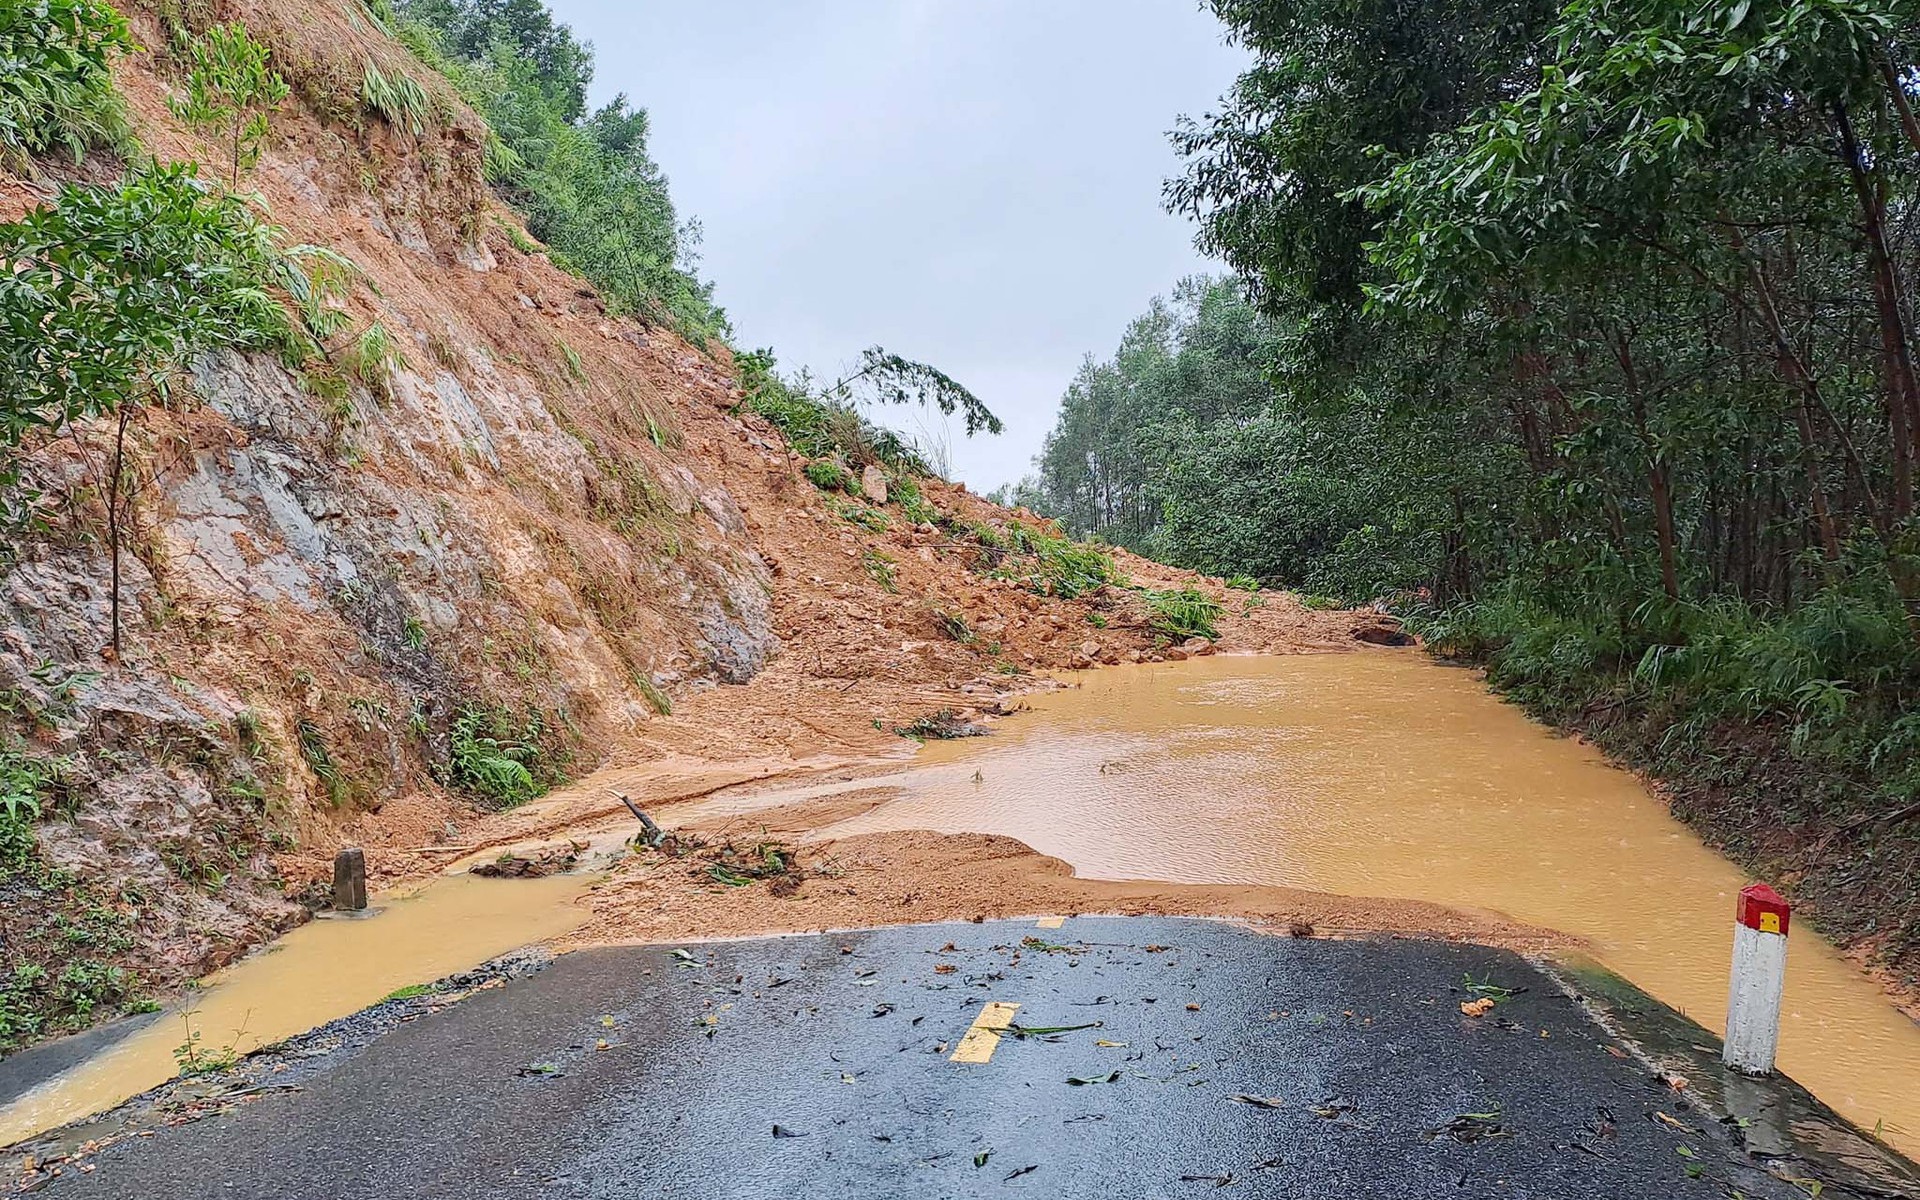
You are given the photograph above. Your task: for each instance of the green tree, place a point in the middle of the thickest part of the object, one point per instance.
(231, 89)
(106, 296)
(586, 183)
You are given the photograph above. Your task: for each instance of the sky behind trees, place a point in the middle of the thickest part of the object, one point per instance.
(973, 184)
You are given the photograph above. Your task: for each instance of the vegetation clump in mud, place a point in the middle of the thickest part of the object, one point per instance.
(729, 864)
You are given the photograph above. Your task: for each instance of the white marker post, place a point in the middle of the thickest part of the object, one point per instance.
(1759, 974)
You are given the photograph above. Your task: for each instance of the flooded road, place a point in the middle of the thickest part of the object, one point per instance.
(320, 971)
(1384, 774)
(1368, 774)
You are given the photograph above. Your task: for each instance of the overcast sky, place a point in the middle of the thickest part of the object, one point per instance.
(974, 183)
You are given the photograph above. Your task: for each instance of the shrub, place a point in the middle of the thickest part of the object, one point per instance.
(121, 288)
(492, 758)
(954, 625)
(230, 91)
(828, 475)
(869, 519)
(56, 88)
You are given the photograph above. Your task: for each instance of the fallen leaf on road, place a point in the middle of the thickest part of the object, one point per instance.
(1109, 1077)
(1258, 1101)
(1104, 1044)
(945, 969)
(1477, 1008)
(1193, 1008)
(1017, 1173)
(781, 1131)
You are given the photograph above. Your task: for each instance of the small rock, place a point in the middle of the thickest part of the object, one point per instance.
(873, 484)
(1197, 646)
(1090, 649)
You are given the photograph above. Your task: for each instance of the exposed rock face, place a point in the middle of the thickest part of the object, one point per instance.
(524, 519)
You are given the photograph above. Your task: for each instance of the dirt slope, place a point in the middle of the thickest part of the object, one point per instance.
(548, 514)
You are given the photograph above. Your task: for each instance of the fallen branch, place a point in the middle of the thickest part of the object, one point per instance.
(655, 835)
(1884, 822)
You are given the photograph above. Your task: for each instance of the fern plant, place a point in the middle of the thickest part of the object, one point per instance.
(492, 761)
(230, 91)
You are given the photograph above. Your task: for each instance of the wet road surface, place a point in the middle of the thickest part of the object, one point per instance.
(824, 1066)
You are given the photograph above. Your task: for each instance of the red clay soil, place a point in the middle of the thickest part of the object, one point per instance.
(914, 877)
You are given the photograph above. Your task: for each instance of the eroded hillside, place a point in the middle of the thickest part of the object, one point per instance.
(526, 533)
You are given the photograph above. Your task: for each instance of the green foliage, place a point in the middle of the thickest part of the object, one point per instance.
(939, 726)
(400, 100)
(319, 759)
(1179, 614)
(870, 519)
(61, 914)
(882, 568)
(493, 756)
(656, 696)
(195, 1057)
(905, 491)
(26, 783)
(887, 378)
(827, 422)
(585, 182)
(373, 358)
(954, 625)
(1584, 329)
(828, 475)
(110, 292)
(1053, 565)
(56, 88)
(230, 89)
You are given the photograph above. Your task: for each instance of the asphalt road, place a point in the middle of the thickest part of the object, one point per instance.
(818, 1067)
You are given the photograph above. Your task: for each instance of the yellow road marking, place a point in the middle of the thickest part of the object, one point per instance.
(1051, 922)
(983, 1035)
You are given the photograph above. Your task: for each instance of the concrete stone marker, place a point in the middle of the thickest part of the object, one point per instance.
(350, 880)
(1759, 975)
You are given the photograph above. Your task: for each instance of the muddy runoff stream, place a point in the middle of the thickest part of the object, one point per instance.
(1385, 774)
(320, 971)
(1369, 774)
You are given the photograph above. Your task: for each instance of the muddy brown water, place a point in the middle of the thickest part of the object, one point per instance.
(320, 971)
(1385, 774)
(1378, 774)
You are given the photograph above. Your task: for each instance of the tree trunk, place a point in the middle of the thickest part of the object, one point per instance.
(1903, 406)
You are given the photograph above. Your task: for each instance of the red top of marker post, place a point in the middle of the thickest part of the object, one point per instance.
(1762, 908)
